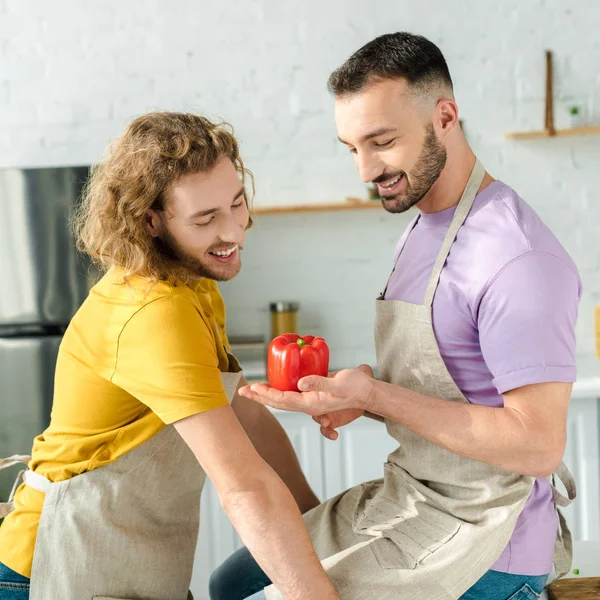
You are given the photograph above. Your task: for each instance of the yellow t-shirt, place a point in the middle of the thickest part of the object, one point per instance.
(134, 358)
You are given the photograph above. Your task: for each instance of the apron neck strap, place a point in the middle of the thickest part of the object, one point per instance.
(398, 253)
(462, 211)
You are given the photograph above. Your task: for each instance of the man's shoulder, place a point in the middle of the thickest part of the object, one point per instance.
(114, 300)
(503, 227)
(136, 290)
(499, 214)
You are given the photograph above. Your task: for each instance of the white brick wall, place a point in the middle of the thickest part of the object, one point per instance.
(73, 72)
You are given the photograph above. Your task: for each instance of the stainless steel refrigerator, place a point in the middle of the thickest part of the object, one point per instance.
(43, 280)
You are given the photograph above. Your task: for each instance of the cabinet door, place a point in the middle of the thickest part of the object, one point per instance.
(357, 455)
(582, 456)
(218, 539)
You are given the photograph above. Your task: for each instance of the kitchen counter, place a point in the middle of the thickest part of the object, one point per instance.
(586, 558)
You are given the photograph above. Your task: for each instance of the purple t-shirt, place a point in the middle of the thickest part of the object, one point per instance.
(504, 316)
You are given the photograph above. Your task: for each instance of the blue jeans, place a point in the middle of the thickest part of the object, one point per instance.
(12, 585)
(240, 578)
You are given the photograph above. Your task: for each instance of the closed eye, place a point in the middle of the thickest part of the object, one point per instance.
(203, 224)
(384, 144)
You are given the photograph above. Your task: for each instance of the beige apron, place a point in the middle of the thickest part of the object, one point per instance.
(124, 531)
(437, 521)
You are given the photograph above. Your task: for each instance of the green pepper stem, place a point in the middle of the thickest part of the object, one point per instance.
(300, 342)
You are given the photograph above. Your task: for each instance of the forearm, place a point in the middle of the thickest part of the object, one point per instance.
(258, 503)
(272, 443)
(498, 436)
(272, 528)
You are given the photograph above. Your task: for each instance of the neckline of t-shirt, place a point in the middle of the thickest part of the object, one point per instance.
(444, 217)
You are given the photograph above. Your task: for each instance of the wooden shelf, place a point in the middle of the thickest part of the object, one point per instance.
(531, 135)
(350, 204)
(549, 130)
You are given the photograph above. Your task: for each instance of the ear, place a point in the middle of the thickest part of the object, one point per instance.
(153, 222)
(446, 117)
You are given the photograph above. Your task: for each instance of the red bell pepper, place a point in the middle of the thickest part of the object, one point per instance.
(292, 357)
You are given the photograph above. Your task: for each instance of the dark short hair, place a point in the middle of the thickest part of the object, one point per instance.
(392, 56)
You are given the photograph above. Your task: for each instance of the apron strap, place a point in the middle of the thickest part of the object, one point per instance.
(230, 383)
(411, 226)
(16, 459)
(36, 481)
(460, 216)
(563, 473)
(563, 549)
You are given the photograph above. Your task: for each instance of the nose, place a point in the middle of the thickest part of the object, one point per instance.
(369, 166)
(232, 232)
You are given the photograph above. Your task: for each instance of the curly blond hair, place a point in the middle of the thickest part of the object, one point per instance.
(140, 167)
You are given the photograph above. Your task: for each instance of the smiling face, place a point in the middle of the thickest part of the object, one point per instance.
(391, 136)
(204, 222)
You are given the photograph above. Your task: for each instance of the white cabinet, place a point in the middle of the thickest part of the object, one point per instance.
(582, 456)
(358, 455)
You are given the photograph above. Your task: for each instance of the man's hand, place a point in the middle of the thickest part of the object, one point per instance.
(320, 396)
(331, 421)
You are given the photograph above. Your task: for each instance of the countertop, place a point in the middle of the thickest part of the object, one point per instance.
(586, 558)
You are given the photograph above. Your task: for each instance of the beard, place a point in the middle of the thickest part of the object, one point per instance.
(420, 180)
(170, 248)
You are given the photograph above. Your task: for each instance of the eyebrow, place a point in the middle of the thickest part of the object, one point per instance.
(210, 211)
(371, 135)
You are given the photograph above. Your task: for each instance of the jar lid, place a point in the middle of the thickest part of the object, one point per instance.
(283, 306)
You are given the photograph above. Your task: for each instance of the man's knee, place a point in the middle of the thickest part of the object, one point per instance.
(237, 578)
(222, 583)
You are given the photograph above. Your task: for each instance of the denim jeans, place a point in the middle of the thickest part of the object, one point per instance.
(12, 585)
(240, 578)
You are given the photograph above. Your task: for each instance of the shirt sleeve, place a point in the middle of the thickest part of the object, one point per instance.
(167, 359)
(526, 321)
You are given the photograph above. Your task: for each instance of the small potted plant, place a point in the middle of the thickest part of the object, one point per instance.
(575, 115)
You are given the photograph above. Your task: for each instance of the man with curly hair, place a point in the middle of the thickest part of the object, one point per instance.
(145, 400)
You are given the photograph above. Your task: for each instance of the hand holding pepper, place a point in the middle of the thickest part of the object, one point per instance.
(291, 357)
(322, 396)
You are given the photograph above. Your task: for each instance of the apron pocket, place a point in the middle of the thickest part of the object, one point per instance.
(406, 542)
(389, 556)
(374, 512)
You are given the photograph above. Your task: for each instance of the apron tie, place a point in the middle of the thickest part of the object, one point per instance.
(5, 463)
(568, 481)
(563, 551)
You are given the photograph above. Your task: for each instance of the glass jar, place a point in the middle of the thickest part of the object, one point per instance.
(284, 318)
